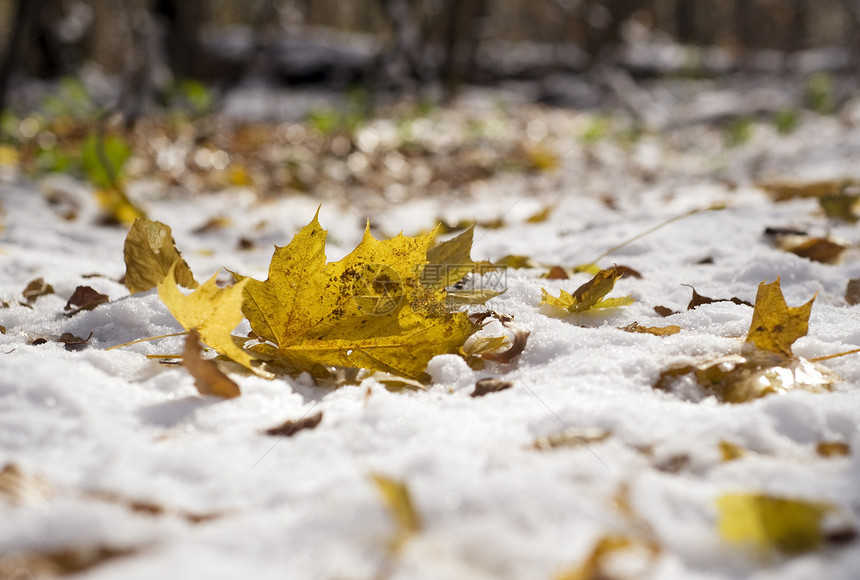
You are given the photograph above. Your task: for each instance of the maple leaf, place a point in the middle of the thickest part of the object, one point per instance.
(449, 262)
(213, 312)
(590, 295)
(775, 325)
(149, 253)
(367, 310)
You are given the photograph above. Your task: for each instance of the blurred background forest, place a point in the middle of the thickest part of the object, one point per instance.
(407, 45)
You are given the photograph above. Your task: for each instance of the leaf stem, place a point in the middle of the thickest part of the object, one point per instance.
(653, 229)
(184, 332)
(838, 354)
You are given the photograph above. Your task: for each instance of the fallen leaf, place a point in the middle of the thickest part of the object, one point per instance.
(213, 312)
(518, 344)
(766, 523)
(541, 216)
(63, 562)
(72, 342)
(208, 378)
(786, 190)
(739, 378)
(698, 300)
(817, 250)
(36, 289)
(149, 253)
(730, 451)
(368, 310)
(842, 206)
(18, 487)
(775, 326)
(556, 273)
(598, 564)
(397, 499)
(289, 428)
(85, 298)
(571, 438)
(833, 449)
(627, 271)
(852, 291)
(516, 262)
(490, 385)
(655, 330)
(664, 311)
(590, 295)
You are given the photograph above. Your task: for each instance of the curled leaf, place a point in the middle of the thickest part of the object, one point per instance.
(208, 378)
(590, 295)
(149, 253)
(37, 288)
(289, 428)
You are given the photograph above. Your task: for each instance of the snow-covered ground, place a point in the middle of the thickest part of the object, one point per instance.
(123, 454)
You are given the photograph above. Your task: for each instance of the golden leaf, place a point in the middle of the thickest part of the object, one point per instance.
(208, 378)
(397, 499)
(590, 295)
(775, 326)
(449, 262)
(367, 310)
(771, 523)
(655, 330)
(149, 253)
(213, 312)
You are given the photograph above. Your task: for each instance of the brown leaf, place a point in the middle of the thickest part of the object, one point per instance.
(289, 428)
(698, 299)
(208, 378)
(64, 562)
(655, 330)
(21, 488)
(775, 325)
(520, 336)
(786, 190)
(556, 273)
(627, 271)
(571, 438)
(37, 288)
(833, 449)
(852, 291)
(664, 311)
(490, 385)
(85, 298)
(73, 342)
(818, 250)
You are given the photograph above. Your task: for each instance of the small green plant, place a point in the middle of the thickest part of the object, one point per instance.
(739, 131)
(786, 120)
(819, 93)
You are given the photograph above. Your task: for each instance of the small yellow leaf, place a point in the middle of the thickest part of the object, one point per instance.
(775, 326)
(590, 295)
(655, 330)
(770, 523)
(149, 253)
(208, 378)
(396, 497)
(213, 312)
(597, 566)
(118, 205)
(730, 451)
(541, 216)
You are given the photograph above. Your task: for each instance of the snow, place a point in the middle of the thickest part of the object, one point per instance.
(99, 423)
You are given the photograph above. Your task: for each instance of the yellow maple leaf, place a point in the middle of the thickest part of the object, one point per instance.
(450, 261)
(771, 523)
(775, 325)
(213, 312)
(149, 253)
(367, 310)
(590, 295)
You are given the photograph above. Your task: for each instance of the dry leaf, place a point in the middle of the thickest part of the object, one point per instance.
(598, 564)
(72, 342)
(842, 206)
(698, 300)
(556, 273)
(570, 438)
(368, 310)
(784, 191)
(289, 428)
(833, 449)
(590, 295)
(64, 562)
(852, 291)
(37, 288)
(213, 312)
(489, 385)
(767, 523)
(541, 216)
(518, 344)
(397, 499)
(664, 311)
(85, 298)
(775, 326)
(655, 330)
(208, 378)
(149, 253)
(21, 488)
(730, 452)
